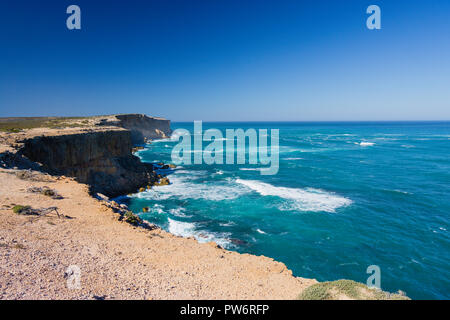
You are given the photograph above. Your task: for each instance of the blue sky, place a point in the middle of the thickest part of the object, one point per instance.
(227, 60)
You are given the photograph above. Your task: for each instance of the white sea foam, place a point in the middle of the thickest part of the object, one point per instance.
(179, 228)
(185, 188)
(260, 231)
(227, 224)
(179, 212)
(250, 169)
(366, 144)
(161, 140)
(299, 199)
(157, 208)
(193, 173)
(187, 229)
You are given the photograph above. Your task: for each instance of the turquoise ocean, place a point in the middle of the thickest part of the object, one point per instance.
(347, 196)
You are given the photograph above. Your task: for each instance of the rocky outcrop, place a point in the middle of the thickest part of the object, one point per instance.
(102, 159)
(142, 127)
(95, 150)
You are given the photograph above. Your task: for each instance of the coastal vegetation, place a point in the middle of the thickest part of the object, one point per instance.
(347, 290)
(131, 218)
(14, 125)
(46, 191)
(21, 209)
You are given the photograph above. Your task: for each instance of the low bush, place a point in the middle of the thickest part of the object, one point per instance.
(131, 218)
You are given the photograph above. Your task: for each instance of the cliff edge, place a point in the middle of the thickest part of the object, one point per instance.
(50, 223)
(95, 150)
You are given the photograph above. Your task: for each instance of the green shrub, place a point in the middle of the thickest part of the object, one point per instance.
(131, 218)
(346, 289)
(10, 130)
(48, 192)
(19, 209)
(315, 292)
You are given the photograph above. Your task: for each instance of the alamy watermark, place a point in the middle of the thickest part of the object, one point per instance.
(374, 280)
(231, 149)
(73, 21)
(373, 22)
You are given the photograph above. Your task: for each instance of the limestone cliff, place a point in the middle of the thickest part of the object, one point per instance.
(142, 127)
(101, 159)
(95, 150)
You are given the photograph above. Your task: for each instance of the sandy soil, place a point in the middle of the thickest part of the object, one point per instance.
(117, 260)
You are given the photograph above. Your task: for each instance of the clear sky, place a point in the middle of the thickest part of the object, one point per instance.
(224, 60)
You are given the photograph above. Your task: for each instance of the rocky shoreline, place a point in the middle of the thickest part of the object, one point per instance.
(99, 153)
(56, 213)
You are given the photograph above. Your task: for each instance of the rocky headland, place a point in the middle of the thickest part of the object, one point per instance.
(96, 151)
(57, 175)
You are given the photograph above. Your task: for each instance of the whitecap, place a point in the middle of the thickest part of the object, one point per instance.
(157, 208)
(299, 199)
(260, 231)
(227, 224)
(179, 212)
(366, 144)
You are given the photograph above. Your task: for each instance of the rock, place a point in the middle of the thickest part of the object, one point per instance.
(101, 159)
(145, 209)
(172, 166)
(163, 182)
(238, 242)
(143, 127)
(101, 196)
(214, 245)
(131, 218)
(136, 149)
(141, 189)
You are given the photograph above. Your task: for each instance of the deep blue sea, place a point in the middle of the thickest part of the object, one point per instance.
(347, 196)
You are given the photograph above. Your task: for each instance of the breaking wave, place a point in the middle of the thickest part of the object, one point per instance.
(299, 199)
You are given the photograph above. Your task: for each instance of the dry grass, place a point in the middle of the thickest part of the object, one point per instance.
(18, 124)
(346, 290)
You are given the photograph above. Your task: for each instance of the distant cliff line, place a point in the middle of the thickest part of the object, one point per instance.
(95, 150)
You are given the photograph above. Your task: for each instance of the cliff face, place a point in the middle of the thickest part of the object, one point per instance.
(101, 159)
(143, 127)
(95, 150)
